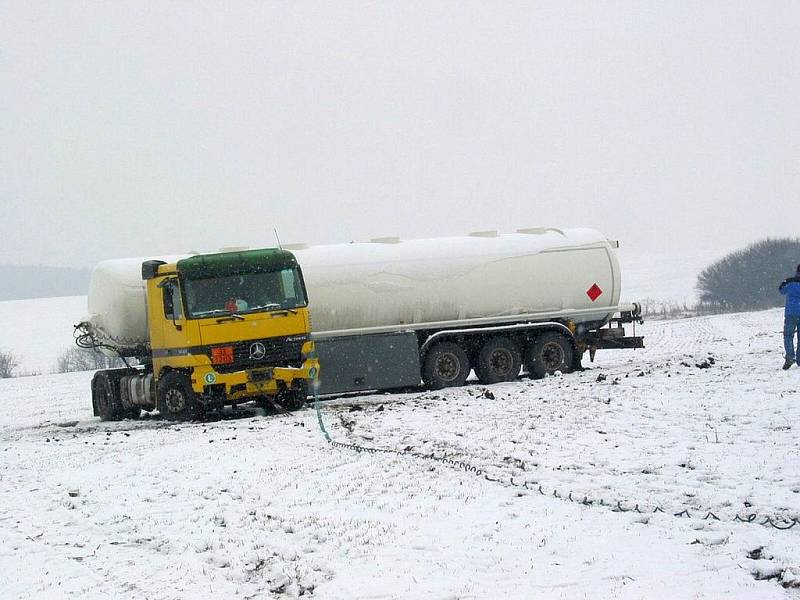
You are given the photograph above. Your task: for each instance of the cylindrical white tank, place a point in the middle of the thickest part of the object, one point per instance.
(117, 302)
(388, 282)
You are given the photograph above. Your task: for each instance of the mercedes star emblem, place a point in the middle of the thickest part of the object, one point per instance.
(257, 351)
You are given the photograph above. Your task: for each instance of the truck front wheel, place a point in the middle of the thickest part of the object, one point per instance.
(446, 365)
(292, 399)
(548, 353)
(499, 359)
(176, 398)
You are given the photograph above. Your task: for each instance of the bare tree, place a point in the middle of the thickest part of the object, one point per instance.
(8, 362)
(748, 279)
(80, 359)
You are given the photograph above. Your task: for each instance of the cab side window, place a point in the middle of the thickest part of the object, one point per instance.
(172, 301)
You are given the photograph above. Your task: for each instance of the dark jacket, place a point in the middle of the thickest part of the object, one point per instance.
(791, 289)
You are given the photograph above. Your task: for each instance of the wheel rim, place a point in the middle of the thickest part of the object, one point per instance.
(175, 401)
(447, 366)
(501, 361)
(552, 356)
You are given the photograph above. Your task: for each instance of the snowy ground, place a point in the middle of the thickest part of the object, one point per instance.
(256, 506)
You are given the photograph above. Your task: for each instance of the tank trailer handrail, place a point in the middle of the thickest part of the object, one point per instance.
(448, 332)
(532, 318)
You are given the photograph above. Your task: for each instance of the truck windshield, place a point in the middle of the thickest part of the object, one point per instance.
(244, 293)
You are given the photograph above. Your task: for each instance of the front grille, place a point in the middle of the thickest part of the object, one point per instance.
(278, 352)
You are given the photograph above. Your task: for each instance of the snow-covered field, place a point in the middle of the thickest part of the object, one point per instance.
(38, 331)
(259, 506)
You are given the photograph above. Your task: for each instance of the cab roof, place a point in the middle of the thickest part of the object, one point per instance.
(235, 263)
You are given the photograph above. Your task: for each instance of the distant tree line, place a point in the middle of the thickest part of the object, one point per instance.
(80, 359)
(748, 279)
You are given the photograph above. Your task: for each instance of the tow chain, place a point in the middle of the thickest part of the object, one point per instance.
(615, 506)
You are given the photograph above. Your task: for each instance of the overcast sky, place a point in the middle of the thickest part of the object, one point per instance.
(131, 129)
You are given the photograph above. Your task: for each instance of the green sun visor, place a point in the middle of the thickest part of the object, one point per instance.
(204, 266)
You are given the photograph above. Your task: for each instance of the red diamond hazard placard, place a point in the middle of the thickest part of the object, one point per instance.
(594, 292)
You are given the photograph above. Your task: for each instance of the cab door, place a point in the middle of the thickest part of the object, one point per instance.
(175, 333)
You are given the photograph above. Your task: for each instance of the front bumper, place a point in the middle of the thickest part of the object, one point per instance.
(263, 381)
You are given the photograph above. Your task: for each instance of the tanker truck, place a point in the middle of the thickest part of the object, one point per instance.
(383, 314)
(393, 313)
(206, 330)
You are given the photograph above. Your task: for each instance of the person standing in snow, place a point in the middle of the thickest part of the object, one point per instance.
(791, 319)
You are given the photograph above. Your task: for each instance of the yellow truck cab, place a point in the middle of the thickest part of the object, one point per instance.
(224, 328)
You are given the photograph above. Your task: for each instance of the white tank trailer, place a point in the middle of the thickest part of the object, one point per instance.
(392, 313)
(117, 304)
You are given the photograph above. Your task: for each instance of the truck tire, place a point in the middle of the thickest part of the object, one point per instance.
(548, 353)
(293, 399)
(499, 359)
(106, 397)
(176, 398)
(132, 413)
(446, 365)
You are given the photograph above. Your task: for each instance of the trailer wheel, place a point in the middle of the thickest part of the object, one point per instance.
(548, 353)
(176, 398)
(105, 397)
(446, 365)
(499, 359)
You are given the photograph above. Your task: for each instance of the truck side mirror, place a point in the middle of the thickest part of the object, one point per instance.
(170, 291)
(150, 268)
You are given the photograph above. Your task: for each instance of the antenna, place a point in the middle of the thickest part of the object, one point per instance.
(275, 229)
